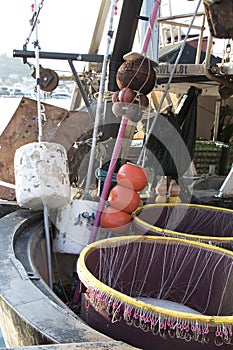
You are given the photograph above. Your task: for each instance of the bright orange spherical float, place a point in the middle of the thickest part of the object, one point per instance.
(132, 176)
(123, 198)
(115, 220)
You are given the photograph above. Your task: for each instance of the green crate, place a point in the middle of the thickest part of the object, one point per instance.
(208, 153)
(227, 159)
(209, 146)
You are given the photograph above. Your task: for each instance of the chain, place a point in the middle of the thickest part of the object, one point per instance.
(228, 51)
(43, 115)
(33, 22)
(116, 7)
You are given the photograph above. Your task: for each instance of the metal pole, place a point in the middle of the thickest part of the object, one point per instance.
(217, 117)
(48, 247)
(100, 102)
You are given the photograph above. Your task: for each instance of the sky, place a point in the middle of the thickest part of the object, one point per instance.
(65, 26)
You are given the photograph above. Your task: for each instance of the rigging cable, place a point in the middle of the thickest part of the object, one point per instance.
(120, 136)
(41, 113)
(100, 99)
(37, 54)
(168, 85)
(34, 20)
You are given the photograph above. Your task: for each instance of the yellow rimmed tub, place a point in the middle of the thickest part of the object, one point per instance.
(208, 224)
(158, 292)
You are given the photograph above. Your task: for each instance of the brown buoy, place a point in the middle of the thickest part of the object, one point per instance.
(137, 75)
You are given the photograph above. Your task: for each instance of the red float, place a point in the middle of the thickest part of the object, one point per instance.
(126, 95)
(174, 189)
(133, 112)
(161, 188)
(132, 176)
(115, 220)
(123, 198)
(143, 100)
(118, 109)
(115, 96)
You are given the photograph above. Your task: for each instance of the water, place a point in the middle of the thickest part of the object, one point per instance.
(2, 343)
(7, 108)
(9, 105)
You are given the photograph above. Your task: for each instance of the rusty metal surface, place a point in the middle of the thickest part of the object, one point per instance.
(61, 126)
(220, 18)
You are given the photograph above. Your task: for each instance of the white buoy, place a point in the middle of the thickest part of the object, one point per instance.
(73, 226)
(41, 176)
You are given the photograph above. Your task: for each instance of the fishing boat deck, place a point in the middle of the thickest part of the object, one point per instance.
(21, 301)
(77, 346)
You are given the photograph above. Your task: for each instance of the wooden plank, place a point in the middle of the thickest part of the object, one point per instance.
(99, 26)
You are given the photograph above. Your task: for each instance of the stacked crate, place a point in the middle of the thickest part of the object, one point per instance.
(227, 159)
(208, 153)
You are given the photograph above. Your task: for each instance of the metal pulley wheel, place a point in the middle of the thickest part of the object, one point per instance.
(211, 2)
(48, 79)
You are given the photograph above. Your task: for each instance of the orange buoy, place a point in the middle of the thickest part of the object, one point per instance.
(132, 176)
(123, 198)
(115, 220)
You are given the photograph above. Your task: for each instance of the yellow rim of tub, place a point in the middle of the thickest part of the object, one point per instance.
(90, 281)
(177, 234)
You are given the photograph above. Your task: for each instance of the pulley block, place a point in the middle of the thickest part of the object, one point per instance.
(48, 79)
